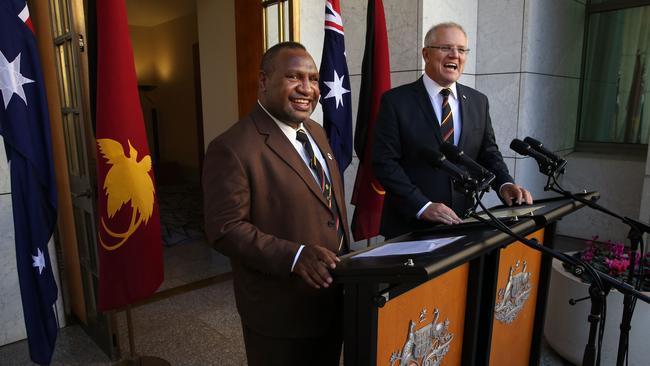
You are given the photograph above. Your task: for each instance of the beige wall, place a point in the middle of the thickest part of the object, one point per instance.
(216, 25)
(163, 57)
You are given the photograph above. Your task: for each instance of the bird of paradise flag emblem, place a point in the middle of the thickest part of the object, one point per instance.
(127, 180)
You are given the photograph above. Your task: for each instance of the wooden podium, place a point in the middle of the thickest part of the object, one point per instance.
(477, 301)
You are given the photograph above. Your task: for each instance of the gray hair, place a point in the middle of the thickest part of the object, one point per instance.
(430, 37)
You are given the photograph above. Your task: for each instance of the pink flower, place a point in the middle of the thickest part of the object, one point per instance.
(618, 249)
(617, 266)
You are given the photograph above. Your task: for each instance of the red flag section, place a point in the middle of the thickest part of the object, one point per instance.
(130, 248)
(368, 195)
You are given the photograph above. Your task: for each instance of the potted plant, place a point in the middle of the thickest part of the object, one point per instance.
(566, 327)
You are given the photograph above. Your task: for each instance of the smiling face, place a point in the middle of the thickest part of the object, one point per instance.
(445, 68)
(289, 89)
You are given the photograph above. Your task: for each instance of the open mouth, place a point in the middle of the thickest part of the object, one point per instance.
(301, 104)
(451, 66)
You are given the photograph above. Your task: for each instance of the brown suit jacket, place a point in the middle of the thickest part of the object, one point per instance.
(261, 203)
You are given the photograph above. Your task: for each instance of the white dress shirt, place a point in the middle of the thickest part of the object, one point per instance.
(433, 89)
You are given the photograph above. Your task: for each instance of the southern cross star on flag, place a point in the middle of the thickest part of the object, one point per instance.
(335, 87)
(25, 128)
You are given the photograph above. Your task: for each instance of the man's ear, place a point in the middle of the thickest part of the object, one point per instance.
(261, 81)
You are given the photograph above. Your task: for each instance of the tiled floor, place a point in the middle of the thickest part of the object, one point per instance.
(200, 327)
(196, 328)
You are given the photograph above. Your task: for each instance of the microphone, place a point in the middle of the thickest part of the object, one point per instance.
(442, 163)
(537, 145)
(546, 165)
(457, 156)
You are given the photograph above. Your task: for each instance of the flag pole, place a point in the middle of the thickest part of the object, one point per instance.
(134, 359)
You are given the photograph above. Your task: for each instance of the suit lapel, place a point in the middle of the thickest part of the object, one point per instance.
(335, 176)
(278, 143)
(425, 104)
(466, 126)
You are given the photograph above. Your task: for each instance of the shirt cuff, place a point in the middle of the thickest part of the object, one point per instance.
(295, 259)
(503, 185)
(422, 209)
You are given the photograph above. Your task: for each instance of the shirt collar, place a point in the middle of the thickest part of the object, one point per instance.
(288, 130)
(433, 88)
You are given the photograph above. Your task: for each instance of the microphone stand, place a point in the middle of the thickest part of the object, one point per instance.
(598, 290)
(635, 234)
(601, 282)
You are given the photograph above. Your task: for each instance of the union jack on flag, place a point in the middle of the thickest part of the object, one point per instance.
(336, 98)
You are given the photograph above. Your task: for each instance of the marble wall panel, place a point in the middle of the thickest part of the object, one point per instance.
(502, 91)
(354, 15)
(349, 179)
(463, 12)
(5, 181)
(553, 33)
(401, 78)
(312, 20)
(491, 198)
(468, 80)
(644, 210)
(619, 182)
(402, 18)
(401, 24)
(549, 110)
(12, 327)
(355, 85)
(498, 48)
(528, 176)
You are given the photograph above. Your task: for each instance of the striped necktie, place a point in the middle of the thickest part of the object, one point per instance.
(324, 183)
(447, 124)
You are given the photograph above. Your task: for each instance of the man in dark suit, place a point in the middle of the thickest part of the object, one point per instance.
(408, 123)
(274, 203)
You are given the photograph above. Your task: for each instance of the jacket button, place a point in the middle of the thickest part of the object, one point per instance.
(331, 223)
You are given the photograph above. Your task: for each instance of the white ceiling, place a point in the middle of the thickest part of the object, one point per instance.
(148, 13)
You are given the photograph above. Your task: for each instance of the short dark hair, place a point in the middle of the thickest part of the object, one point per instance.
(269, 56)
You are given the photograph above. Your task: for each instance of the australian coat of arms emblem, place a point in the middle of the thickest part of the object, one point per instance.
(426, 346)
(513, 297)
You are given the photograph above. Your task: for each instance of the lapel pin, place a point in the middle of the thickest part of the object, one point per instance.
(464, 97)
(329, 156)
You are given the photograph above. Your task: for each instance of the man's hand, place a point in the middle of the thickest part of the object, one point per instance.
(512, 193)
(313, 264)
(439, 212)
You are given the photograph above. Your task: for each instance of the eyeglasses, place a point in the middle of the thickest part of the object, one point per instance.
(449, 49)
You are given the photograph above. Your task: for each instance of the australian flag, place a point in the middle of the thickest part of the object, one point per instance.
(335, 87)
(25, 128)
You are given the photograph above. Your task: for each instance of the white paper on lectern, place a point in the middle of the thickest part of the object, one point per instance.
(409, 247)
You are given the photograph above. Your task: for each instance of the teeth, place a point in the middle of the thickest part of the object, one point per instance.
(301, 101)
(452, 65)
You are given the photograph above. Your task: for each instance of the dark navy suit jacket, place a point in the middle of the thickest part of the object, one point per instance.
(407, 124)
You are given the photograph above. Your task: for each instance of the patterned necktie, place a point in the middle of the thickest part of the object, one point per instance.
(324, 183)
(447, 124)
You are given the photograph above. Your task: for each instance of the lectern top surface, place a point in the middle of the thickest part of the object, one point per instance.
(478, 238)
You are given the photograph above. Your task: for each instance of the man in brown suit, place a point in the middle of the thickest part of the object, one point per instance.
(271, 210)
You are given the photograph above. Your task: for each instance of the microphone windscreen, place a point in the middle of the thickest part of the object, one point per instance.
(520, 147)
(532, 142)
(452, 152)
